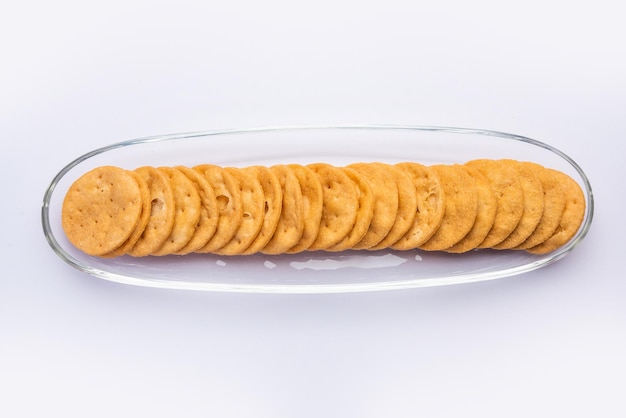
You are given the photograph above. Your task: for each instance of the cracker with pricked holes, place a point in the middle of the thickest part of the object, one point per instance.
(487, 205)
(501, 204)
(162, 212)
(253, 206)
(533, 205)
(187, 205)
(101, 210)
(273, 200)
(291, 222)
(364, 214)
(312, 205)
(461, 206)
(207, 225)
(407, 208)
(571, 218)
(431, 203)
(228, 198)
(143, 219)
(510, 195)
(554, 204)
(385, 190)
(340, 205)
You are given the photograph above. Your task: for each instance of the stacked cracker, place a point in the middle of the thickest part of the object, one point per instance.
(498, 204)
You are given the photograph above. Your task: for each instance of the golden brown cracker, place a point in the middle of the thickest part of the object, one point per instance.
(312, 202)
(487, 205)
(365, 211)
(554, 204)
(187, 205)
(272, 206)
(228, 198)
(101, 209)
(385, 190)
(407, 208)
(253, 205)
(571, 218)
(533, 205)
(143, 219)
(510, 195)
(431, 203)
(340, 205)
(162, 212)
(291, 222)
(461, 206)
(209, 215)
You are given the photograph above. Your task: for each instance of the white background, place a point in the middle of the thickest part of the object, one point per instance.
(76, 76)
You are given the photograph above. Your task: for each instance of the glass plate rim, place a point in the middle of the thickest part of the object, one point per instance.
(316, 288)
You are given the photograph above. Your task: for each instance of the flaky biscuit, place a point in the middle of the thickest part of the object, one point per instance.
(385, 191)
(431, 204)
(101, 209)
(187, 205)
(253, 207)
(571, 218)
(533, 205)
(291, 221)
(228, 198)
(461, 206)
(312, 206)
(364, 211)
(407, 208)
(340, 205)
(487, 205)
(510, 195)
(162, 210)
(272, 206)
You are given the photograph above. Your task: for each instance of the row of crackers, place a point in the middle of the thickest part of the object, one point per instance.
(289, 208)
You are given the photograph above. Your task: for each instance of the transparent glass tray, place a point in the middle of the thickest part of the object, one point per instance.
(310, 272)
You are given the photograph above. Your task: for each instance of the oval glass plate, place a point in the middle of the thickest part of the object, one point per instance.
(310, 272)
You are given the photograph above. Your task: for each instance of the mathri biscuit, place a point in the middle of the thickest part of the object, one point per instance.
(510, 195)
(312, 206)
(290, 208)
(461, 207)
(228, 199)
(431, 205)
(187, 211)
(385, 194)
(340, 205)
(101, 209)
(364, 211)
(161, 212)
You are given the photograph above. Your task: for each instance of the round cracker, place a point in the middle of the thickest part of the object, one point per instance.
(385, 190)
(554, 204)
(253, 205)
(162, 212)
(487, 205)
(407, 208)
(273, 199)
(101, 209)
(533, 205)
(228, 198)
(207, 225)
(312, 202)
(461, 207)
(571, 219)
(291, 222)
(430, 206)
(340, 205)
(143, 220)
(364, 214)
(508, 190)
(187, 205)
